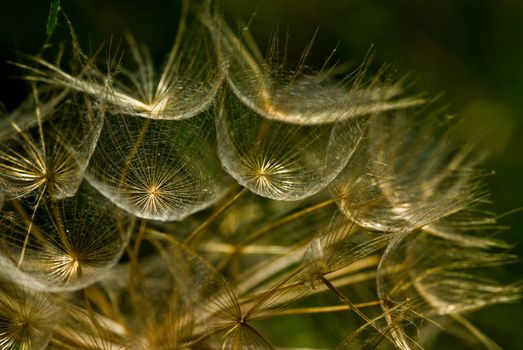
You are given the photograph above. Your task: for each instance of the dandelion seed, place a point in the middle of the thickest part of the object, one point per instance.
(282, 161)
(438, 274)
(187, 303)
(408, 236)
(27, 319)
(55, 160)
(400, 179)
(185, 88)
(70, 244)
(84, 330)
(185, 178)
(267, 87)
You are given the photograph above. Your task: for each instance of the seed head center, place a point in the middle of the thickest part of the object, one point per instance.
(153, 191)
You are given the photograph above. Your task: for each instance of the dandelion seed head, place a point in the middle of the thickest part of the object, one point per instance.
(51, 156)
(268, 177)
(278, 160)
(68, 245)
(65, 267)
(160, 170)
(294, 95)
(26, 319)
(350, 188)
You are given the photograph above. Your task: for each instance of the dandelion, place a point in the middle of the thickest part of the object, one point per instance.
(81, 329)
(53, 162)
(69, 245)
(185, 87)
(198, 206)
(439, 274)
(282, 161)
(161, 170)
(27, 319)
(400, 179)
(268, 87)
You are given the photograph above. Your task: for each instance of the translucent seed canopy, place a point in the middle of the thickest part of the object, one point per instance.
(470, 227)
(27, 319)
(339, 245)
(215, 303)
(180, 296)
(358, 195)
(159, 170)
(68, 245)
(24, 116)
(443, 274)
(82, 329)
(161, 313)
(440, 277)
(51, 156)
(401, 179)
(279, 160)
(184, 88)
(296, 96)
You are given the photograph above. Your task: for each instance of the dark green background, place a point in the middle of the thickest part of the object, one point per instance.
(470, 50)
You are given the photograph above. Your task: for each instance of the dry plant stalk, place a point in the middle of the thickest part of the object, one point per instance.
(198, 206)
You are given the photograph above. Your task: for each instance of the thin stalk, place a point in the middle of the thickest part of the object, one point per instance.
(323, 309)
(480, 336)
(29, 228)
(353, 306)
(39, 119)
(164, 82)
(285, 220)
(338, 283)
(216, 214)
(135, 275)
(225, 248)
(269, 227)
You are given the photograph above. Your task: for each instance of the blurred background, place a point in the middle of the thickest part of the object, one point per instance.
(471, 51)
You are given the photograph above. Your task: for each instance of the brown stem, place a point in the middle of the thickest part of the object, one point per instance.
(204, 225)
